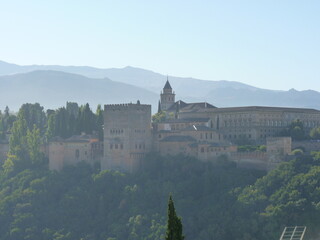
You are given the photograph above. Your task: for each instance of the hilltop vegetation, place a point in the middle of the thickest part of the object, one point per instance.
(215, 200)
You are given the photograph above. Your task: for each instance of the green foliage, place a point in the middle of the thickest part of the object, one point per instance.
(24, 147)
(252, 148)
(33, 143)
(296, 131)
(33, 114)
(74, 120)
(99, 122)
(315, 133)
(6, 122)
(174, 225)
(79, 203)
(297, 152)
(288, 195)
(159, 117)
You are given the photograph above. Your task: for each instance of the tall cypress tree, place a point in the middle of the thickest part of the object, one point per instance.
(174, 225)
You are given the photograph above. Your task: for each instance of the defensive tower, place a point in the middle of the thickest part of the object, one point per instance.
(127, 136)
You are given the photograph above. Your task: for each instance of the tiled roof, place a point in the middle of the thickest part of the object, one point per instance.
(177, 105)
(182, 106)
(194, 107)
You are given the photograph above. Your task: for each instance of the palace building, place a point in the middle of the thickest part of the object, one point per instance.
(198, 129)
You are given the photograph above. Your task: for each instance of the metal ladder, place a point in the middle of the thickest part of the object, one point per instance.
(293, 233)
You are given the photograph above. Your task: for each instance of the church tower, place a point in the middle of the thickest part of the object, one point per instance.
(167, 97)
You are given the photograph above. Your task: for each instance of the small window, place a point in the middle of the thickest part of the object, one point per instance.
(111, 146)
(121, 146)
(116, 146)
(77, 153)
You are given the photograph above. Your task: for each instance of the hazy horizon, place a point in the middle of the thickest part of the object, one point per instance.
(267, 44)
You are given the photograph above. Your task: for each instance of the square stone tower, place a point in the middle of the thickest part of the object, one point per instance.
(127, 136)
(167, 97)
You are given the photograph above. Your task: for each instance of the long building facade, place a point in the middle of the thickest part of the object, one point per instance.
(195, 129)
(254, 122)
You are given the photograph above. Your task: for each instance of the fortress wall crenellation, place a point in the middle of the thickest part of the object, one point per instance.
(127, 106)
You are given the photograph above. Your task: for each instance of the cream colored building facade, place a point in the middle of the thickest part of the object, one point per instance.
(196, 129)
(254, 123)
(71, 151)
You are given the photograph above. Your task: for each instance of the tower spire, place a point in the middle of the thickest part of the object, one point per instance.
(167, 96)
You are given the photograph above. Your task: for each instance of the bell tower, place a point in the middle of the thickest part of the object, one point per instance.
(167, 97)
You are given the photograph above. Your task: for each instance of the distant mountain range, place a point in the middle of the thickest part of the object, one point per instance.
(52, 89)
(53, 85)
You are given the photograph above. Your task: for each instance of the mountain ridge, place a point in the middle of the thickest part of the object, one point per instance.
(53, 89)
(223, 93)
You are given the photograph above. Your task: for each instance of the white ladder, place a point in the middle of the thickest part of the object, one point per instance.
(293, 233)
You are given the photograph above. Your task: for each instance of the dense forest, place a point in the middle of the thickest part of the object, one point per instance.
(215, 200)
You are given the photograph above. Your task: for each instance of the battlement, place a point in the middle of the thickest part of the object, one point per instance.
(127, 106)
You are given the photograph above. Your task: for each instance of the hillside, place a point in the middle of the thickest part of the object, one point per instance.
(215, 201)
(53, 89)
(220, 93)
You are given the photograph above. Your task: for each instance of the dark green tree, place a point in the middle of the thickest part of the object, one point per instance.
(86, 121)
(99, 122)
(34, 115)
(7, 120)
(174, 225)
(51, 127)
(295, 130)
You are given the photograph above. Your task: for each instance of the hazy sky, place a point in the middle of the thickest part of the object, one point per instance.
(272, 44)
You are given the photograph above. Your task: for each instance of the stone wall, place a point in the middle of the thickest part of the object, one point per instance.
(73, 151)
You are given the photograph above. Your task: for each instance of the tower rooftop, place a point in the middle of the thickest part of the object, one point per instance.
(167, 85)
